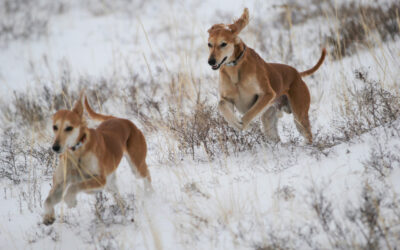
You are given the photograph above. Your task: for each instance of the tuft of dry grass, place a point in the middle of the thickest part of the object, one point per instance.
(17, 157)
(366, 105)
(202, 134)
(26, 19)
(357, 24)
(203, 128)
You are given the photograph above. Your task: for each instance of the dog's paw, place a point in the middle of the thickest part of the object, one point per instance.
(245, 125)
(245, 122)
(48, 219)
(238, 125)
(70, 200)
(149, 190)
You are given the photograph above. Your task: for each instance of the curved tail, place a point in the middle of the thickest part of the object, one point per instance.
(94, 115)
(313, 69)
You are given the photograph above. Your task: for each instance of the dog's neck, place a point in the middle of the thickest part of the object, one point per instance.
(238, 54)
(82, 141)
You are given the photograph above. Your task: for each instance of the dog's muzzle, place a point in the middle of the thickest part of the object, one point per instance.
(56, 148)
(213, 62)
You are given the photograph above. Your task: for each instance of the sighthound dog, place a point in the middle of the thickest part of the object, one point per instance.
(89, 157)
(255, 87)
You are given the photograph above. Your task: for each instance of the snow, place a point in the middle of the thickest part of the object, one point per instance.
(231, 202)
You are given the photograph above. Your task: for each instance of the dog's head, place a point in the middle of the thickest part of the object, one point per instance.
(222, 39)
(67, 127)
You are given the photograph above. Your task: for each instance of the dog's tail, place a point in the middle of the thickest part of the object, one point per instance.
(313, 69)
(94, 115)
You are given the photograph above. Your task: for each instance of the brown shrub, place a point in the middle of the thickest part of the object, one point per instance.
(356, 23)
(205, 127)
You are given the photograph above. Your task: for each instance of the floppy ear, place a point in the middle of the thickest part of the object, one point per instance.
(239, 24)
(78, 108)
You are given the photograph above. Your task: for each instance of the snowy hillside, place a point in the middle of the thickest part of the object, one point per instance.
(215, 187)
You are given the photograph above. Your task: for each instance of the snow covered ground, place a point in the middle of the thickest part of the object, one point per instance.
(143, 60)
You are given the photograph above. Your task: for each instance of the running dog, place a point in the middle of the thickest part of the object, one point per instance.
(89, 157)
(255, 87)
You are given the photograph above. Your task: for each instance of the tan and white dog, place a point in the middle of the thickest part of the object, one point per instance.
(89, 157)
(255, 87)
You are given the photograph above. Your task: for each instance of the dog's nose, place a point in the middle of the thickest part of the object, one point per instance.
(212, 61)
(56, 147)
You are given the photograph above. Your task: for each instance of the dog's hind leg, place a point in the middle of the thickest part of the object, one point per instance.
(147, 181)
(299, 98)
(112, 187)
(270, 123)
(141, 172)
(136, 158)
(303, 126)
(284, 104)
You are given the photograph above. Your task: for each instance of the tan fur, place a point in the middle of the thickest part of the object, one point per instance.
(88, 167)
(255, 87)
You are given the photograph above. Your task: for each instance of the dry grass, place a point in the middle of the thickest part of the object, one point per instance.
(366, 105)
(204, 129)
(17, 157)
(24, 19)
(357, 26)
(186, 114)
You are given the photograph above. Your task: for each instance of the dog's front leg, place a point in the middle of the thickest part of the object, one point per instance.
(225, 107)
(60, 181)
(52, 199)
(261, 105)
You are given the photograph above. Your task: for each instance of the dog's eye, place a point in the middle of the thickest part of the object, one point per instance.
(209, 45)
(69, 128)
(223, 45)
(55, 128)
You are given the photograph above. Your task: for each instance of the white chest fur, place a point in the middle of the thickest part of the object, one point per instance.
(243, 94)
(89, 164)
(86, 165)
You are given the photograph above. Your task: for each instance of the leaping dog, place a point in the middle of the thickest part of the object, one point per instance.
(89, 157)
(255, 87)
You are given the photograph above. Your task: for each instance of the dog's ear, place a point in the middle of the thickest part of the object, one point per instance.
(78, 108)
(239, 24)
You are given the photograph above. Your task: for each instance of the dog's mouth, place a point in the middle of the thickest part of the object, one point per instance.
(217, 66)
